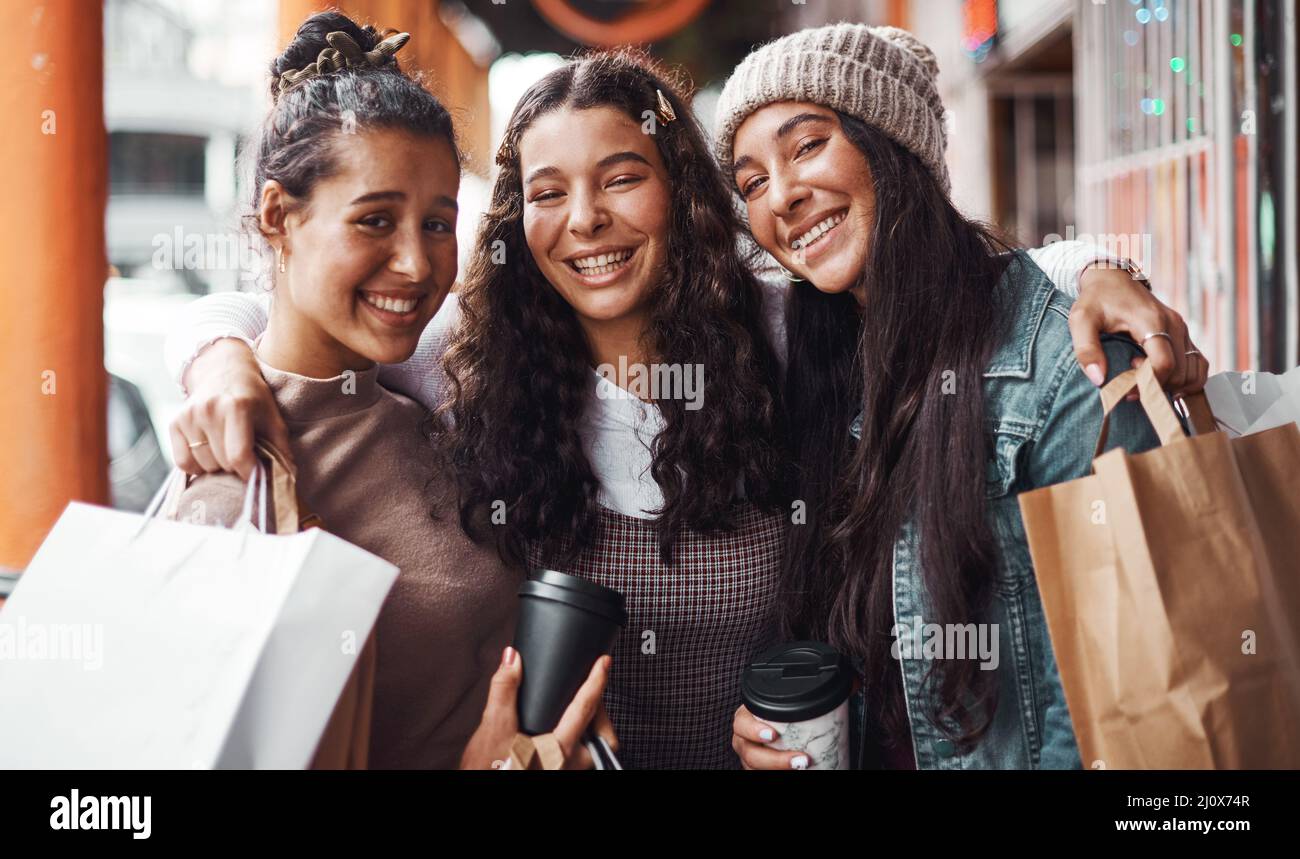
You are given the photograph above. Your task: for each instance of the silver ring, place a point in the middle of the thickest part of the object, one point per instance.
(195, 444)
(1151, 334)
(1193, 352)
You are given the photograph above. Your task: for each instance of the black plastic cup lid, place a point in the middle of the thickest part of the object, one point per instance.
(576, 591)
(796, 681)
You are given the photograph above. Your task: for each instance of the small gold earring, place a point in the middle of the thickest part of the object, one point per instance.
(279, 258)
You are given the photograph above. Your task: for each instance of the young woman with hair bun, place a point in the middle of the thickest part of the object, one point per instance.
(356, 172)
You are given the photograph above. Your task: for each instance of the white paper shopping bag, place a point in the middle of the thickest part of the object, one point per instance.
(1249, 403)
(138, 643)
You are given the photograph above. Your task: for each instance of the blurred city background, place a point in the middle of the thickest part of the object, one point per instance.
(1165, 130)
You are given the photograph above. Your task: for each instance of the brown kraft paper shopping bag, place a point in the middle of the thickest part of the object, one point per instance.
(1170, 584)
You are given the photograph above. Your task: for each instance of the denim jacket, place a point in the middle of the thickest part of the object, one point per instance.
(1043, 416)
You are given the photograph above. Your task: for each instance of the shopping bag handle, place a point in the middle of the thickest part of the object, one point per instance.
(291, 515)
(1153, 399)
(1199, 413)
(166, 498)
(283, 485)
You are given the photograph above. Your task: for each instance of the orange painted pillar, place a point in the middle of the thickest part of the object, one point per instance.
(897, 14)
(54, 170)
(294, 12)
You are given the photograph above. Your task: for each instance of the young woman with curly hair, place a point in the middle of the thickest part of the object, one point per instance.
(618, 240)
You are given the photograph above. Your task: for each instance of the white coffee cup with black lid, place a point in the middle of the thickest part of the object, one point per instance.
(802, 688)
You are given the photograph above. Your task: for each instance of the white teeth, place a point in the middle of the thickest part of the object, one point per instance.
(393, 305)
(817, 232)
(602, 263)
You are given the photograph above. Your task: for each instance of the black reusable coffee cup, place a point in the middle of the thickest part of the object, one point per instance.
(565, 625)
(796, 681)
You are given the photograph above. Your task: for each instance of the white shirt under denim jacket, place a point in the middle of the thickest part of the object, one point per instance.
(1043, 417)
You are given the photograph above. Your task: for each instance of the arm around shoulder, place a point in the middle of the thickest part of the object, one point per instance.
(239, 315)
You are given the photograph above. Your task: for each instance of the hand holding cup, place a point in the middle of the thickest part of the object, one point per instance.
(489, 748)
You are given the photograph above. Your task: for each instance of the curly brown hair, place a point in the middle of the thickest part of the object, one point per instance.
(520, 369)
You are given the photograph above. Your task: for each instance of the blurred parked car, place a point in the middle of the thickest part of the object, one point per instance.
(142, 397)
(136, 465)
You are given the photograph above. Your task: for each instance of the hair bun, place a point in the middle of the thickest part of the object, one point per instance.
(312, 38)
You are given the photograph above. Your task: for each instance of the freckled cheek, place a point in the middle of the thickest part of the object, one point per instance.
(330, 261)
(351, 256)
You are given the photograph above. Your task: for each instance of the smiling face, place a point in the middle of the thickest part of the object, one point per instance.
(371, 255)
(809, 192)
(596, 211)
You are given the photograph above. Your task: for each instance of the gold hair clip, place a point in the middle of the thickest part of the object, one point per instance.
(343, 52)
(506, 153)
(666, 113)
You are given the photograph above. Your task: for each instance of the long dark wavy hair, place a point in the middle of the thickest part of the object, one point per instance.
(929, 308)
(520, 369)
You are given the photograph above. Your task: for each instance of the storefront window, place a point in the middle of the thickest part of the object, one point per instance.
(148, 163)
(1186, 144)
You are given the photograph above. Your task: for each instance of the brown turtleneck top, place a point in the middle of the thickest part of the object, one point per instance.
(363, 466)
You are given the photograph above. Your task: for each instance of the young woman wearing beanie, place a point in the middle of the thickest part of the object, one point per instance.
(931, 378)
(362, 223)
(678, 507)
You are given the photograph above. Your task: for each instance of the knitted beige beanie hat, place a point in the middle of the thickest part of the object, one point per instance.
(884, 76)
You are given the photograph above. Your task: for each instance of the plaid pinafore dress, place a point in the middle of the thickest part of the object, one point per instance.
(674, 685)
